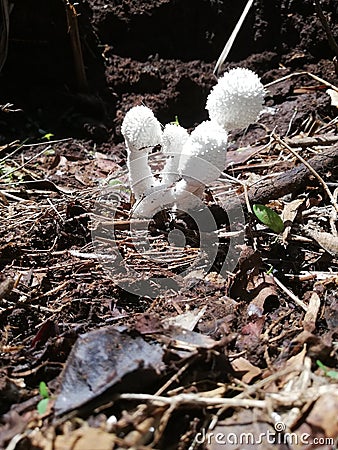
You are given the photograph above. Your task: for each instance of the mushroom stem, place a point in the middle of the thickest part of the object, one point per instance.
(141, 179)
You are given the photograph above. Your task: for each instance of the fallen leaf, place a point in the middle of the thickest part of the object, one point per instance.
(243, 365)
(334, 97)
(102, 358)
(85, 439)
(327, 241)
(309, 321)
(289, 214)
(324, 414)
(268, 217)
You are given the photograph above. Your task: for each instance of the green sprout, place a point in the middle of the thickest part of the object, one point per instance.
(269, 218)
(43, 403)
(327, 372)
(48, 136)
(175, 122)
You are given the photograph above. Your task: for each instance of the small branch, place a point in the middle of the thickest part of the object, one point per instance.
(76, 46)
(310, 141)
(311, 169)
(25, 164)
(297, 74)
(330, 37)
(194, 400)
(283, 183)
(293, 297)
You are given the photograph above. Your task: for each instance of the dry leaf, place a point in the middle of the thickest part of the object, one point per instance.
(288, 216)
(243, 365)
(85, 439)
(326, 240)
(324, 415)
(334, 97)
(309, 322)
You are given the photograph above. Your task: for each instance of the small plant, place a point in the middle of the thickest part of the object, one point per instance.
(43, 403)
(48, 136)
(327, 372)
(269, 218)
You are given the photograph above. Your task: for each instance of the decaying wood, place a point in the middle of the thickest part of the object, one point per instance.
(285, 183)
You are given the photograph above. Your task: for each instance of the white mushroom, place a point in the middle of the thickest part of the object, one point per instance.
(236, 100)
(192, 161)
(141, 131)
(173, 139)
(201, 162)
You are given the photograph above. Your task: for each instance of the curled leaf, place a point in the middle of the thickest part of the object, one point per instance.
(269, 218)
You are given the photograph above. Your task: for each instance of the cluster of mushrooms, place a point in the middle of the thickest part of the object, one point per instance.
(192, 160)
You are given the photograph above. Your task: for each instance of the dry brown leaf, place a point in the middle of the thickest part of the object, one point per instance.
(326, 240)
(324, 414)
(85, 439)
(309, 321)
(334, 97)
(187, 320)
(289, 214)
(295, 365)
(243, 365)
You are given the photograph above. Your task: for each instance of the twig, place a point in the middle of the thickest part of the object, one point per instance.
(311, 169)
(232, 38)
(330, 37)
(193, 400)
(308, 141)
(76, 46)
(290, 294)
(296, 74)
(4, 11)
(25, 164)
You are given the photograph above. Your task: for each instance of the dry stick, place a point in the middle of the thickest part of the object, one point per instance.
(193, 400)
(330, 37)
(296, 74)
(311, 169)
(4, 11)
(291, 294)
(282, 184)
(76, 46)
(311, 141)
(25, 164)
(232, 38)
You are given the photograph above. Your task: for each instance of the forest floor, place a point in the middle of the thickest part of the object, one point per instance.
(113, 341)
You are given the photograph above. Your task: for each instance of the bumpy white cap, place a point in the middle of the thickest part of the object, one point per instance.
(236, 100)
(140, 128)
(173, 138)
(204, 154)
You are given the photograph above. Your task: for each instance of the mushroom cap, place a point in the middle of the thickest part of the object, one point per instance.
(173, 138)
(204, 154)
(141, 129)
(236, 100)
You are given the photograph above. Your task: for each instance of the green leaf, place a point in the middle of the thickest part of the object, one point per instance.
(43, 389)
(332, 374)
(48, 136)
(42, 406)
(269, 218)
(329, 373)
(176, 122)
(321, 365)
